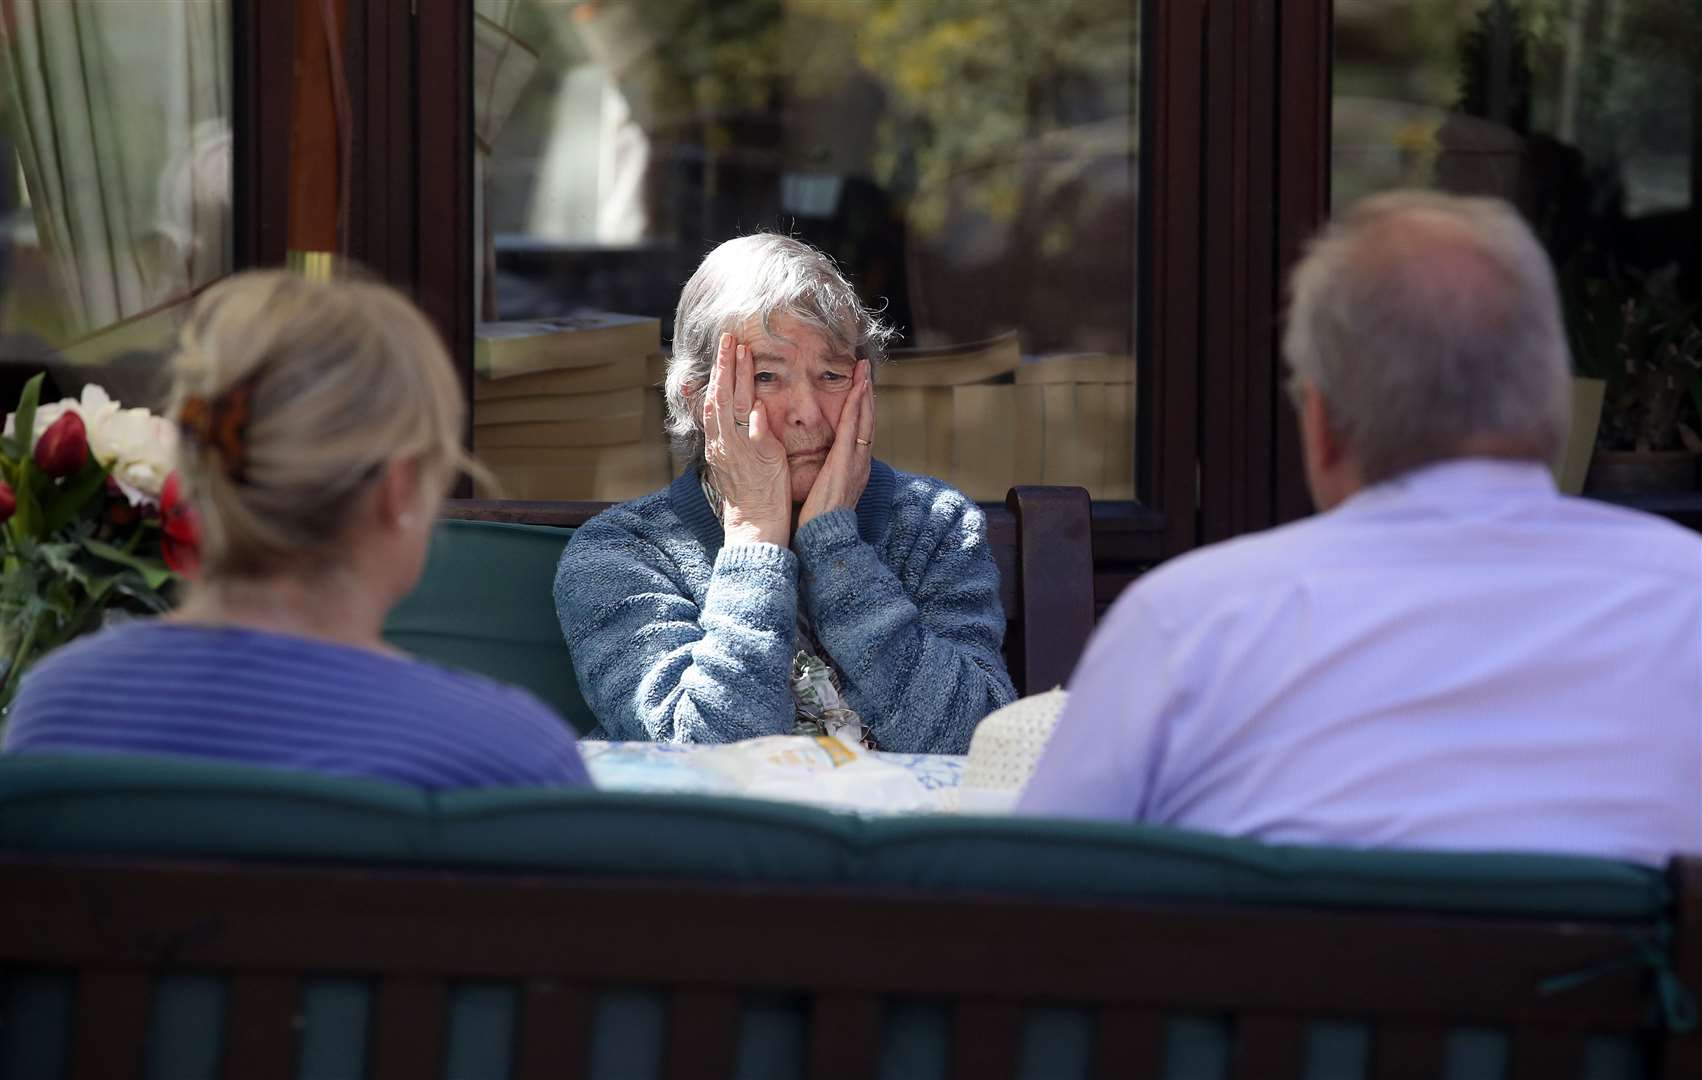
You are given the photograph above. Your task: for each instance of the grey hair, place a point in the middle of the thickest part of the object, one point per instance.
(1431, 323)
(762, 276)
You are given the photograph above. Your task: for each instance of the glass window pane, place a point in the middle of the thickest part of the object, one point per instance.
(115, 185)
(969, 163)
(1583, 114)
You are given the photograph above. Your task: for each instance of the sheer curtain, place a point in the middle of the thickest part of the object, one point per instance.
(119, 109)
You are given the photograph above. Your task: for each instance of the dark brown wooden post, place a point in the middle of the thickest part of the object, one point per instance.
(444, 164)
(1682, 1055)
(1167, 401)
(262, 81)
(1055, 581)
(1303, 193)
(316, 145)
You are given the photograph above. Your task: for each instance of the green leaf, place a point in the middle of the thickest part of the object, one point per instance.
(130, 584)
(60, 602)
(98, 587)
(67, 502)
(153, 571)
(26, 519)
(21, 584)
(61, 558)
(23, 429)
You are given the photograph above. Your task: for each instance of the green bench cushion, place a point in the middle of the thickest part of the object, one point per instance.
(1087, 858)
(484, 604)
(98, 804)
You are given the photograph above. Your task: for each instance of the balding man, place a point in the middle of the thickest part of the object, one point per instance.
(1451, 655)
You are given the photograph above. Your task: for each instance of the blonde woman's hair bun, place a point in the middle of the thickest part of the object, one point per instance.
(336, 380)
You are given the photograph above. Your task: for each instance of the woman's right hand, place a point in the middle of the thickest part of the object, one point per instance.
(746, 460)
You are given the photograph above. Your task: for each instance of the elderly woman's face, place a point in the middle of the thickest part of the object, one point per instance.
(802, 381)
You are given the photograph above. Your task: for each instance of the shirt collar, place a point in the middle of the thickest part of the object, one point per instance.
(1459, 481)
(873, 509)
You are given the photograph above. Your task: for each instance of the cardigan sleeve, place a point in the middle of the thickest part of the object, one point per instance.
(918, 647)
(655, 666)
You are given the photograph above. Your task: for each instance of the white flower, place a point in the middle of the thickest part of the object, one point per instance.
(138, 447)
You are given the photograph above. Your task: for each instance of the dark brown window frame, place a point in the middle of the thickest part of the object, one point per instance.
(1234, 175)
(262, 76)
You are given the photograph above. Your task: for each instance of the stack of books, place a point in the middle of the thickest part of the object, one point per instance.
(571, 408)
(983, 417)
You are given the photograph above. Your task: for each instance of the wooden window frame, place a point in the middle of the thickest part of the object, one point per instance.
(1233, 176)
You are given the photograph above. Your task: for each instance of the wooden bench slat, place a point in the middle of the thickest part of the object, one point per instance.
(1408, 1051)
(262, 1026)
(111, 1025)
(986, 1040)
(408, 1028)
(1128, 1043)
(555, 1031)
(1546, 1054)
(1267, 1047)
(845, 1037)
(703, 1034)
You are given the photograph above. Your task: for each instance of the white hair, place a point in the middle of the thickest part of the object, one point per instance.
(1431, 323)
(762, 276)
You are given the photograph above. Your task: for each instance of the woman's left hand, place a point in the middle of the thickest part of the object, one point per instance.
(845, 473)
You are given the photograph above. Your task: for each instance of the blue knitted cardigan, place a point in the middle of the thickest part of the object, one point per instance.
(677, 637)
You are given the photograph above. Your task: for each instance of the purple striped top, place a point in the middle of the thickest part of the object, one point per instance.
(151, 687)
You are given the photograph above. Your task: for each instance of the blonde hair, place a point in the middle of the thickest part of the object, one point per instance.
(339, 379)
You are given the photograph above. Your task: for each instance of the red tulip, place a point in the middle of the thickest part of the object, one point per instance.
(180, 532)
(8, 502)
(63, 448)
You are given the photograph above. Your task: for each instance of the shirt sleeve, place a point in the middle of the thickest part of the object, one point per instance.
(922, 665)
(655, 666)
(1104, 757)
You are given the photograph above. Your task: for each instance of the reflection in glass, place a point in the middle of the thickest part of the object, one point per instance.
(116, 186)
(970, 163)
(1584, 115)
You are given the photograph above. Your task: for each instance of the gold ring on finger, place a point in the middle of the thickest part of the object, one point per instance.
(864, 442)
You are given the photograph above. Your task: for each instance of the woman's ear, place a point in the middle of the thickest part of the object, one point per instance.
(398, 502)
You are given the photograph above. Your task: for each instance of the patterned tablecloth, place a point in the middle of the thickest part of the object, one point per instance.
(791, 768)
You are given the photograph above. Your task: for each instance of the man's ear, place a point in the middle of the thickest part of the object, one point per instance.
(1324, 445)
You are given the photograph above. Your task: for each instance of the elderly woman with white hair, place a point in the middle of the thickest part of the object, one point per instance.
(787, 580)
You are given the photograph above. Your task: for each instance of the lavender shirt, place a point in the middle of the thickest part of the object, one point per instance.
(1460, 658)
(270, 699)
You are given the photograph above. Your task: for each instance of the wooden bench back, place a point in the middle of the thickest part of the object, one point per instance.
(1042, 541)
(556, 941)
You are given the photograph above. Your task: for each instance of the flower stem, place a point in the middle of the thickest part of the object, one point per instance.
(13, 672)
